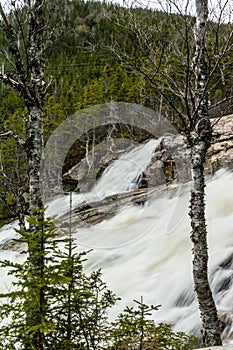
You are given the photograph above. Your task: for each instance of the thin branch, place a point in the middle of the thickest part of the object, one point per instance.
(219, 103)
(13, 47)
(187, 77)
(227, 47)
(6, 135)
(11, 80)
(9, 134)
(2, 13)
(24, 44)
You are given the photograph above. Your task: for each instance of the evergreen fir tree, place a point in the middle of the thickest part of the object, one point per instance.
(70, 305)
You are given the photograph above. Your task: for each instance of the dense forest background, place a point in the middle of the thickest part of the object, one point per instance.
(84, 68)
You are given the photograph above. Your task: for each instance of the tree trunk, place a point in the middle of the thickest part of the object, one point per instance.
(34, 153)
(201, 140)
(34, 147)
(34, 100)
(210, 323)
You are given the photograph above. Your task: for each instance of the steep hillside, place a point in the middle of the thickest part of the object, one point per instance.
(94, 56)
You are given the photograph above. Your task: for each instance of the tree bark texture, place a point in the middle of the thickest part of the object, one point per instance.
(201, 140)
(210, 323)
(28, 79)
(34, 146)
(34, 103)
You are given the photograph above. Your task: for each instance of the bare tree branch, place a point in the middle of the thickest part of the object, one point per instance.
(9, 134)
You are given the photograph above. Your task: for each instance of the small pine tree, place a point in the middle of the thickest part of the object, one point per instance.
(55, 303)
(27, 300)
(133, 330)
(71, 306)
(79, 309)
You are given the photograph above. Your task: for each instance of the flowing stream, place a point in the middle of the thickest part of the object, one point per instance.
(146, 250)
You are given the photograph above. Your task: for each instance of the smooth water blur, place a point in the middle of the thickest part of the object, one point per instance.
(124, 173)
(146, 250)
(120, 176)
(140, 258)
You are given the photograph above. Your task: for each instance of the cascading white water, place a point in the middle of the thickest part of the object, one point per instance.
(123, 174)
(120, 176)
(139, 255)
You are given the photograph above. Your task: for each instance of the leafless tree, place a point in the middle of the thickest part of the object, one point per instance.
(24, 31)
(186, 59)
(24, 26)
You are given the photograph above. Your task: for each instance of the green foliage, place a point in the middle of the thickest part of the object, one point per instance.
(13, 178)
(53, 304)
(5, 213)
(79, 308)
(80, 50)
(83, 70)
(10, 102)
(134, 330)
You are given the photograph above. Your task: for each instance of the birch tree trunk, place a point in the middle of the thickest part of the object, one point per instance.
(27, 56)
(34, 147)
(181, 76)
(34, 154)
(201, 140)
(35, 103)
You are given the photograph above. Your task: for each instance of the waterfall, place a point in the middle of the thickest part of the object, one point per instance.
(139, 256)
(122, 175)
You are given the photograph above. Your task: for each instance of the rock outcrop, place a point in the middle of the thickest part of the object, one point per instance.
(170, 162)
(173, 160)
(220, 154)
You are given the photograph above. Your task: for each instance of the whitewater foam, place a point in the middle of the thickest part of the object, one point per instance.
(140, 256)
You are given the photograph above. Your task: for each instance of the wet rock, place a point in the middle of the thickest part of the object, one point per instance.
(85, 174)
(94, 212)
(171, 161)
(221, 151)
(13, 244)
(174, 157)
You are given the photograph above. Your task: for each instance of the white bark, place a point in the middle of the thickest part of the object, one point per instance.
(28, 80)
(200, 143)
(34, 146)
(210, 323)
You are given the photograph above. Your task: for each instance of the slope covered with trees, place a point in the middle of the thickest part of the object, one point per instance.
(83, 68)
